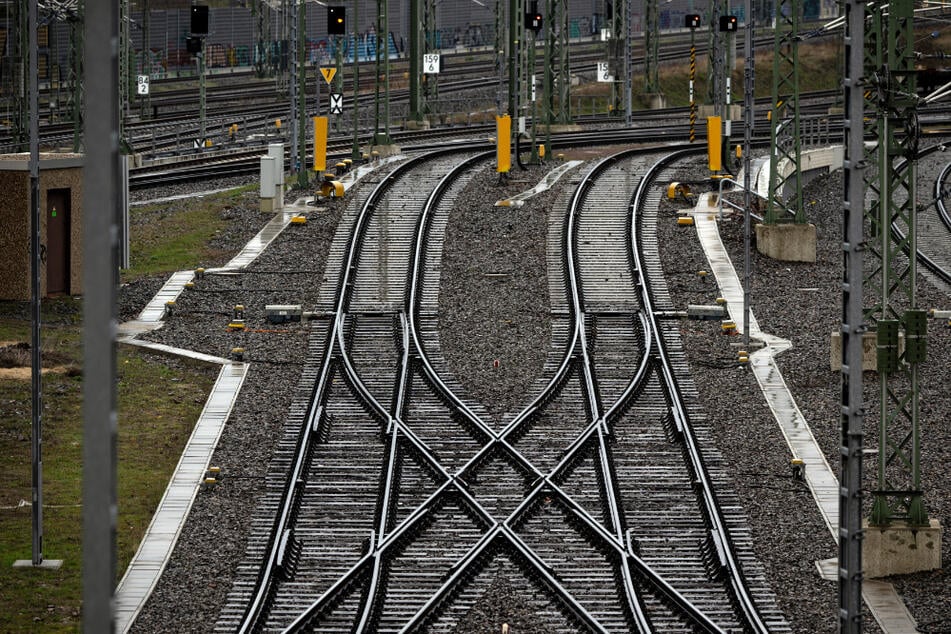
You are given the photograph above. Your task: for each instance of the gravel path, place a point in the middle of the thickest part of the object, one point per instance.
(494, 264)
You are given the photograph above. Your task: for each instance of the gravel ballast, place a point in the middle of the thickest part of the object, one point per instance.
(494, 266)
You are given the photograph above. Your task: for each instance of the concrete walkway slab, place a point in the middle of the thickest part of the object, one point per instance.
(882, 600)
(160, 538)
(543, 185)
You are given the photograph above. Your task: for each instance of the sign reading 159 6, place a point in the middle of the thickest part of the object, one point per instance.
(431, 63)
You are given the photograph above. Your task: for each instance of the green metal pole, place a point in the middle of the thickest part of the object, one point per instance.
(381, 103)
(513, 59)
(532, 95)
(500, 40)
(302, 171)
(356, 80)
(201, 91)
(145, 103)
(415, 111)
(338, 77)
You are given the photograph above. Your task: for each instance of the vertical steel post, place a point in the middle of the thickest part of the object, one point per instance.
(749, 76)
(200, 60)
(853, 325)
(338, 76)
(693, 77)
(35, 300)
(100, 210)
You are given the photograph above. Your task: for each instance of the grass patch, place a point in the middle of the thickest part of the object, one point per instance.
(179, 235)
(158, 404)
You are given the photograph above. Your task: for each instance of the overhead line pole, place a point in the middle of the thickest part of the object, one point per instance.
(101, 208)
(853, 325)
(35, 301)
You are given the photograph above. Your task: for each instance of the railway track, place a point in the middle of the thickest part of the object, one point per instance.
(395, 504)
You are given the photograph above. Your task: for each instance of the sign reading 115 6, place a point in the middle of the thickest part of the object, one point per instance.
(431, 63)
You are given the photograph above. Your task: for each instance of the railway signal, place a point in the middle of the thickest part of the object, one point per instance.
(336, 20)
(533, 21)
(692, 21)
(199, 20)
(728, 23)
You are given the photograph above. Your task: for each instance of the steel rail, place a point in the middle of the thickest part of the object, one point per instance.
(719, 532)
(315, 411)
(546, 483)
(899, 234)
(388, 542)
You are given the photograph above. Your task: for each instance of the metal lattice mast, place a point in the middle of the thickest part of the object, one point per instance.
(557, 71)
(874, 58)
(145, 66)
(898, 494)
(125, 67)
(853, 325)
(298, 85)
(282, 75)
(415, 55)
(651, 48)
(262, 38)
(716, 67)
(785, 186)
(615, 45)
(21, 125)
(500, 39)
(430, 81)
(75, 81)
(515, 38)
(381, 135)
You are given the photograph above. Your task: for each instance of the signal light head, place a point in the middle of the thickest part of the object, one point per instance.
(692, 21)
(336, 20)
(728, 23)
(533, 21)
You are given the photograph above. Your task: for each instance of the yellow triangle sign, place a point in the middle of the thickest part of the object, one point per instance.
(328, 74)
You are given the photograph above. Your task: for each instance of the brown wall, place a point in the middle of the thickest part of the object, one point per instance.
(14, 235)
(15, 221)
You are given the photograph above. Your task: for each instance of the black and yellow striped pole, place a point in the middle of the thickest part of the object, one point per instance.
(692, 22)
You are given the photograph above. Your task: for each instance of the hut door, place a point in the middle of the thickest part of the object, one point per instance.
(57, 241)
